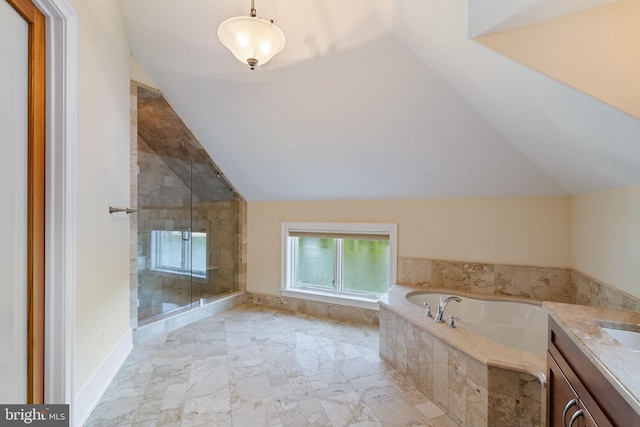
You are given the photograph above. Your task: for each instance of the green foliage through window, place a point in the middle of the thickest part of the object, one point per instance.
(342, 265)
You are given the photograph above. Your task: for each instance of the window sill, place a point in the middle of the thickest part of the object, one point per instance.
(347, 300)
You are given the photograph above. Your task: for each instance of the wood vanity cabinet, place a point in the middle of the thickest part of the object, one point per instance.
(578, 391)
(564, 405)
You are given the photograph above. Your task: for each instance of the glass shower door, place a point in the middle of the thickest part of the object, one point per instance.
(188, 224)
(215, 216)
(164, 235)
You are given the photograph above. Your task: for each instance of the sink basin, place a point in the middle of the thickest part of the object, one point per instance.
(626, 334)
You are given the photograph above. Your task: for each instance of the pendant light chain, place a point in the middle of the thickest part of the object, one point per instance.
(253, 9)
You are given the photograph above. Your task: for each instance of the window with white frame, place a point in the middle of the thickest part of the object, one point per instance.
(348, 261)
(179, 251)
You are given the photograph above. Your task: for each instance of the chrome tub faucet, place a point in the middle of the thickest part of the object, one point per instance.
(442, 306)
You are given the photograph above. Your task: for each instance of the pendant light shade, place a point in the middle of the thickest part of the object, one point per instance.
(252, 40)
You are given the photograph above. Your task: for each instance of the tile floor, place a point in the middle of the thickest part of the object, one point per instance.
(258, 366)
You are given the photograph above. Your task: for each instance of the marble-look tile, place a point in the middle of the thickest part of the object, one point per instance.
(250, 388)
(429, 409)
(330, 384)
(440, 378)
(211, 407)
(425, 362)
(476, 405)
(401, 345)
(463, 387)
(414, 271)
(414, 349)
(307, 412)
(321, 309)
(113, 412)
(502, 410)
(503, 381)
(388, 338)
(585, 290)
(528, 412)
(349, 410)
(530, 387)
(470, 277)
(259, 366)
(360, 367)
(513, 280)
(441, 421)
(538, 283)
(612, 298)
(147, 411)
(391, 408)
(457, 407)
(255, 412)
(477, 372)
(341, 351)
(552, 284)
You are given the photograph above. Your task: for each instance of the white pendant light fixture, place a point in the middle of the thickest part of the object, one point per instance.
(252, 40)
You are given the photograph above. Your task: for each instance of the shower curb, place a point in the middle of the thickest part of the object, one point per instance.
(162, 327)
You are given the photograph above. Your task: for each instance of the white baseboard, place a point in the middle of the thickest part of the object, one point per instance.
(86, 399)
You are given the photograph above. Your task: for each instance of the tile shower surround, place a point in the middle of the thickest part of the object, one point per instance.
(171, 138)
(163, 206)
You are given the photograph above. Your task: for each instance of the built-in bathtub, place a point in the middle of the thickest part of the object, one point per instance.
(475, 372)
(521, 325)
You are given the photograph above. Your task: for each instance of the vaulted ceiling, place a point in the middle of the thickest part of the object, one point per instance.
(387, 99)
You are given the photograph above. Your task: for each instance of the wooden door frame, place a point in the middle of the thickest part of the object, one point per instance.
(62, 37)
(36, 200)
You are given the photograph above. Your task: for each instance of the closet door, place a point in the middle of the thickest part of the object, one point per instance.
(22, 148)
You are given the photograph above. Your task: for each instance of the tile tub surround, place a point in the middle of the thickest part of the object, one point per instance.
(315, 308)
(536, 283)
(476, 381)
(597, 294)
(619, 365)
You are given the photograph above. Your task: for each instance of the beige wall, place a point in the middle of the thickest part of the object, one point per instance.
(605, 240)
(139, 75)
(520, 231)
(595, 51)
(103, 180)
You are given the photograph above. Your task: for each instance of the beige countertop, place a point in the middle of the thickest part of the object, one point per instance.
(619, 365)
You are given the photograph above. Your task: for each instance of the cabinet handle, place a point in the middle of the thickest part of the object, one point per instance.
(566, 409)
(575, 416)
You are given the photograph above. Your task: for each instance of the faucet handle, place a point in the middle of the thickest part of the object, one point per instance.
(428, 309)
(452, 321)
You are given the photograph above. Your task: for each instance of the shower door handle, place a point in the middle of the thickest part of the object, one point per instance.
(186, 234)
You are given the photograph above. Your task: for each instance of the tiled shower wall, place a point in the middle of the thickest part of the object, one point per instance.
(166, 203)
(538, 283)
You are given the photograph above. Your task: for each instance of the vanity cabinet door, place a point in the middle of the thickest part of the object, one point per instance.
(565, 408)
